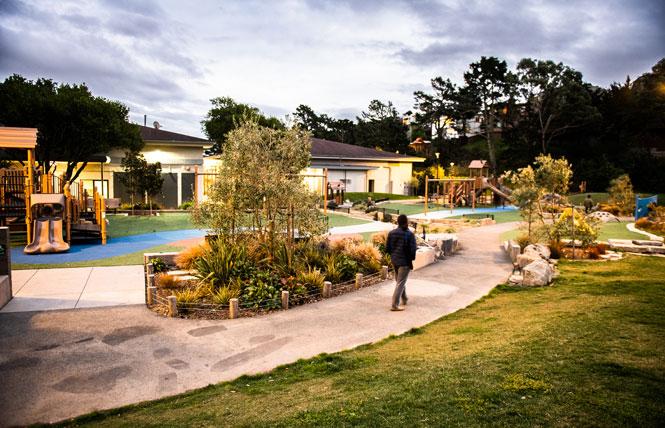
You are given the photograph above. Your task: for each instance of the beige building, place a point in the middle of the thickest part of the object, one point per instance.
(355, 168)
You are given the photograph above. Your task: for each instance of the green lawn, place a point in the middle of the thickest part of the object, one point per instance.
(578, 198)
(135, 225)
(126, 259)
(362, 196)
(587, 351)
(410, 209)
(336, 220)
(607, 231)
(503, 216)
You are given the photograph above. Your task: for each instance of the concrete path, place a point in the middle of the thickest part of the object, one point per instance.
(60, 364)
(374, 226)
(69, 288)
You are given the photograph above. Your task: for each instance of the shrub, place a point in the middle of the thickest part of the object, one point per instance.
(379, 240)
(224, 294)
(602, 248)
(593, 253)
(582, 229)
(312, 279)
(622, 194)
(188, 295)
(555, 249)
(186, 205)
(340, 245)
(366, 255)
(339, 268)
(222, 262)
(523, 240)
(164, 280)
(610, 208)
(643, 223)
(158, 265)
(187, 257)
(261, 291)
(311, 255)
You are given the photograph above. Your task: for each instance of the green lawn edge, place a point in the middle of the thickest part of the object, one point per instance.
(586, 351)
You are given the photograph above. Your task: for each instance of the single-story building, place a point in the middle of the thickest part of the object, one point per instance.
(360, 169)
(180, 155)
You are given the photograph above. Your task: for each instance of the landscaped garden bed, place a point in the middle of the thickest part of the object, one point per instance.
(207, 280)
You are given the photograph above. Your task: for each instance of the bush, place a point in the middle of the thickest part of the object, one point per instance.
(366, 255)
(262, 290)
(186, 205)
(622, 194)
(224, 294)
(339, 268)
(555, 249)
(222, 262)
(379, 240)
(610, 208)
(523, 240)
(164, 280)
(187, 257)
(643, 223)
(188, 295)
(312, 279)
(582, 229)
(158, 265)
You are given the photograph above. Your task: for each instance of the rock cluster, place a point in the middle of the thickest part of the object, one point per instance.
(535, 265)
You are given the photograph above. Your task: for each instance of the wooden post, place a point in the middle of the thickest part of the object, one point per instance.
(28, 193)
(384, 272)
(173, 306)
(327, 289)
(325, 191)
(102, 215)
(285, 299)
(233, 308)
(359, 280)
(152, 295)
(196, 185)
(426, 197)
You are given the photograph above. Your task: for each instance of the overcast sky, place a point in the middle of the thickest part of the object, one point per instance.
(167, 58)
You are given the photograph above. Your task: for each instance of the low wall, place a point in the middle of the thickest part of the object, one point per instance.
(6, 293)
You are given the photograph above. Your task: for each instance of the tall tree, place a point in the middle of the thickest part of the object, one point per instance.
(556, 99)
(226, 114)
(382, 127)
(491, 85)
(324, 126)
(73, 124)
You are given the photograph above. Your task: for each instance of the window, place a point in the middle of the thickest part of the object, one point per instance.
(102, 188)
(370, 186)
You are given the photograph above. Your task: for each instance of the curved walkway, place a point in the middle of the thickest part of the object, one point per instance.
(60, 364)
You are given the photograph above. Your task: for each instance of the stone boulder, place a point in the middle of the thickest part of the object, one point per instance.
(537, 273)
(541, 249)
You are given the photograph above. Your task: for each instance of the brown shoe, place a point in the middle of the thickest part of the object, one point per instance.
(396, 308)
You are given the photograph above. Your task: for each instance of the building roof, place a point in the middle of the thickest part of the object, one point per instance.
(18, 138)
(153, 134)
(478, 164)
(326, 149)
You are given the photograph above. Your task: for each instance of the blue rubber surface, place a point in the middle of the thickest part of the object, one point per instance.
(113, 247)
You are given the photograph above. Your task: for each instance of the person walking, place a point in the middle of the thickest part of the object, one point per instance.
(401, 245)
(588, 204)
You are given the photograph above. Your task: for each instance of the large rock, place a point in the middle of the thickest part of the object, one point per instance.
(537, 273)
(541, 249)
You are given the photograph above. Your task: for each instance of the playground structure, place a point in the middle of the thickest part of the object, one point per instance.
(466, 191)
(32, 198)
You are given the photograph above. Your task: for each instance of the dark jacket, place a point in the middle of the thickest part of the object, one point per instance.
(401, 245)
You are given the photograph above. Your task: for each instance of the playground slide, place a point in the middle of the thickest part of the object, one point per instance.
(47, 237)
(496, 190)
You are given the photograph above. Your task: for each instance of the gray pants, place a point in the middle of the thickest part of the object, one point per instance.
(401, 274)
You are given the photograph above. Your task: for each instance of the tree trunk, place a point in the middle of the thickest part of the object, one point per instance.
(489, 125)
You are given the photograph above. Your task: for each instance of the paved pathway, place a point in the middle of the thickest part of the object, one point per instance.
(69, 288)
(59, 364)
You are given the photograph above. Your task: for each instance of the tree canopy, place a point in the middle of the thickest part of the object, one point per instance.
(73, 124)
(226, 115)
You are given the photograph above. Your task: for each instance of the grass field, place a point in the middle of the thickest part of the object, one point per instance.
(587, 351)
(337, 220)
(607, 231)
(136, 225)
(578, 198)
(503, 216)
(362, 196)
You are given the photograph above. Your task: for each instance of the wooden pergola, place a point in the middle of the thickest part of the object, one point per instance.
(25, 139)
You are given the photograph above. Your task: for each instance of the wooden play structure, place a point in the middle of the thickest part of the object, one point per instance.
(51, 209)
(479, 188)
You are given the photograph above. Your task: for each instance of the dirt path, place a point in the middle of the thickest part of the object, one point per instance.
(60, 364)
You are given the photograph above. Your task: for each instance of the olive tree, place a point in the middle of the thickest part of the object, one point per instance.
(258, 189)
